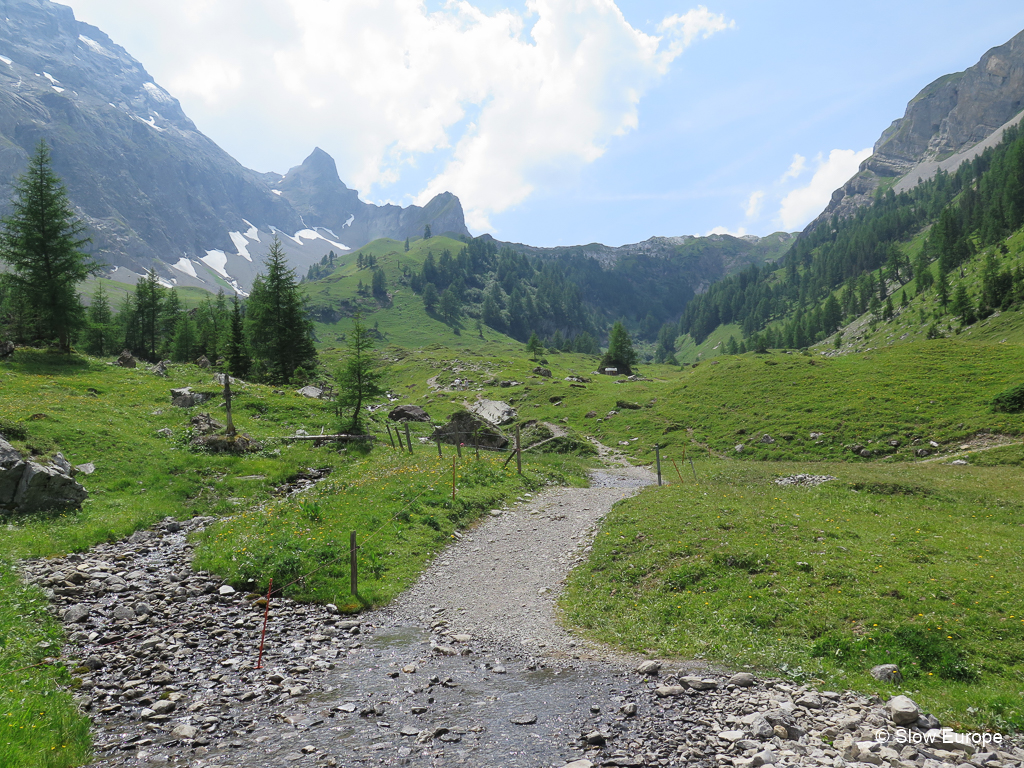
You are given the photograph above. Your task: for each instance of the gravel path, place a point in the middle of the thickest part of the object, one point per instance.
(469, 668)
(501, 580)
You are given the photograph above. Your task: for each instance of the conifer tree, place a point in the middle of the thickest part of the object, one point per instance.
(360, 378)
(278, 332)
(41, 242)
(237, 353)
(620, 352)
(534, 346)
(99, 336)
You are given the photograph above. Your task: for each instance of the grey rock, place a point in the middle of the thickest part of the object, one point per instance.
(126, 360)
(165, 432)
(61, 464)
(902, 710)
(887, 673)
(767, 757)
(46, 488)
(184, 731)
(524, 719)
(739, 448)
(314, 393)
(922, 453)
(76, 613)
(665, 691)
(494, 411)
(731, 736)
(408, 413)
(650, 668)
(596, 738)
(741, 680)
(469, 429)
(10, 479)
(809, 701)
(6, 349)
(761, 729)
(85, 469)
(545, 372)
(699, 684)
(9, 455)
(160, 369)
(766, 439)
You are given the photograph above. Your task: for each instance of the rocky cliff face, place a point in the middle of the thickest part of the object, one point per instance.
(943, 125)
(154, 191)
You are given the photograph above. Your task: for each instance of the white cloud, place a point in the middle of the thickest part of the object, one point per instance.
(726, 231)
(801, 205)
(798, 166)
(496, 102)
(753, 205)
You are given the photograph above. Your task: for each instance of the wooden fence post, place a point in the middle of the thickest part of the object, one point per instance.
(657, 457)
(439, 454)
(353, 565)
(408, 440)
(390, 436)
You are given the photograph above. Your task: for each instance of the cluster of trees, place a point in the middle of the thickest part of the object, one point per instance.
(862, 256)
(321, 270)
(268, 337)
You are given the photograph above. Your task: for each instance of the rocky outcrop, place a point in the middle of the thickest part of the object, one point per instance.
(27, 487)
(465, 428)
(494, 411)
(949, 122)
(408, 413)
(318, 194)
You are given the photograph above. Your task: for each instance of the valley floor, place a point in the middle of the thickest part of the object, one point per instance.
(468, 667)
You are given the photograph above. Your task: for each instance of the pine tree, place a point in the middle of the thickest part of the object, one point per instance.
(183, 344)
(99, 336)
(426, 232)
(378, 285)
(148, 303)
(620, 352)
(41, 242)
(534, 346)
(449, 305)
(429, 297)
(360, 377)
(277, 330)
(407, 245)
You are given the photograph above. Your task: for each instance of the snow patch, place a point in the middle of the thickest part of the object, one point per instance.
(53, 80)
(241, 244)
(216, 260)
(158, 93)
(151, 123)
(165, 283)
(252, 233)
(351, 218)
(312, 234)
(6, 61)
(57, 88)
(186, 266)
(276, 191)
(96, 47)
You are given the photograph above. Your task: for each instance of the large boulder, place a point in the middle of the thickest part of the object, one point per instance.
(46, 488)
(9, 455)
(408, 413)
(494, 411)
(10, 479)
(126, 360)
(312, 392)
(6, 349)
(184, 397)
(469, 429)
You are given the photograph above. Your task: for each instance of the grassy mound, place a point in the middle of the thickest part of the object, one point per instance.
(821, 583)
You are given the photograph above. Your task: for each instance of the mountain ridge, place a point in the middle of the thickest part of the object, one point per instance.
(947, 119)
(154, 191)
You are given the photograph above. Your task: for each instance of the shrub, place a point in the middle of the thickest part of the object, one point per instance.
(1010, 401)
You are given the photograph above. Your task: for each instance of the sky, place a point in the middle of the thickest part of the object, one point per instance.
(561, 122)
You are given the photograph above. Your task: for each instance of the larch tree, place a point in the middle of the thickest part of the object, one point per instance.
(41, 243)
(360, 378)
(620, 352)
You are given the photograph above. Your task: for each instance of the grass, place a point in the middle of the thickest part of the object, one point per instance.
(94, 412)
(918, 565)
(401, 506)
(39, 725)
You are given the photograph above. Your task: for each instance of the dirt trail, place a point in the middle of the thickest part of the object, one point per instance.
(501, 580)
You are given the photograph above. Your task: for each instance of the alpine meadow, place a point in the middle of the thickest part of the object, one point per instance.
(292, 478)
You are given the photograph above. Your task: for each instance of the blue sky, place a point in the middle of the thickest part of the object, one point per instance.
(561, 121)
